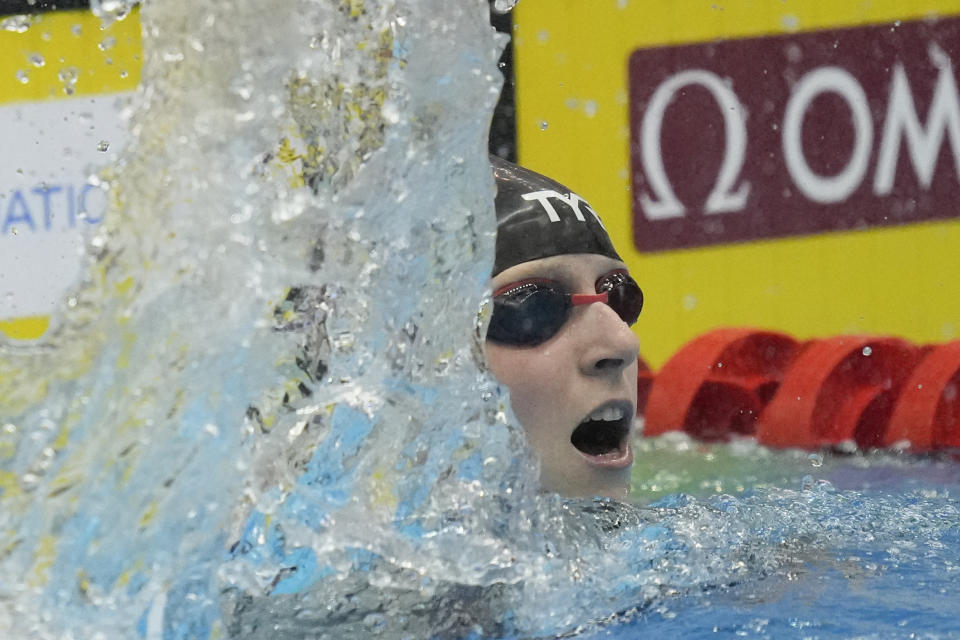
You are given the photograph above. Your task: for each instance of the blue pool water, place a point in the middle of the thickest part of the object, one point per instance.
(882, 560)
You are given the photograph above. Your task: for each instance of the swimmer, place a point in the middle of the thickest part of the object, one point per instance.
(559, 339)
(559, 336)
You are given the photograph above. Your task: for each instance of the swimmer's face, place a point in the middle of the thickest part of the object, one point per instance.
(589, 368)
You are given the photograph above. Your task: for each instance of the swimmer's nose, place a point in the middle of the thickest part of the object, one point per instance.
(610, 346)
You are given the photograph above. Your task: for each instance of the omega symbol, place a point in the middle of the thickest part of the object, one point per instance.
(725, 196)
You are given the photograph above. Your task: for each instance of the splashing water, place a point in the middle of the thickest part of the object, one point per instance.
(264, 413)
(17, 23)
(247, 347)
(110, 11)
(504, 6)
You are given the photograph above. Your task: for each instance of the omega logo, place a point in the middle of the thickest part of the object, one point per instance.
(722, 198)
(883, 118)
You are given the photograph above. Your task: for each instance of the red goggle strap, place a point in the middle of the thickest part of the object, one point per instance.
(588, 298)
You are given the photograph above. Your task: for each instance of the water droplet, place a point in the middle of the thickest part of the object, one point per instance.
(390, 112)
(816, 459)
(867, 351)
(68, 76)
(344, 341)
(543, 125)
(103, 145)
(76, 30)
(111, 10)
(107, 43)
(504, 6)
(590, 108)
(172, 55)
(22, 76)
(37, 60)
(846, 446)
(123, 73)
(18, 24)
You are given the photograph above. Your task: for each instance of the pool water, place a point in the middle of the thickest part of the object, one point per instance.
(883, 560)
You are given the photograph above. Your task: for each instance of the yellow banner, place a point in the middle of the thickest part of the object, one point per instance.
(62, 54)
(573, 119)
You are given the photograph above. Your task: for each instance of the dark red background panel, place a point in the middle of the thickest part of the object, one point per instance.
(763, 73)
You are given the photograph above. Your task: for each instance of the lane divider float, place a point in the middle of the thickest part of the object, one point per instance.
(839, 391)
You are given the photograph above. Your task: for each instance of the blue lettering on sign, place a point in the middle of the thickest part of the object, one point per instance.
(44, 191)
(51, 207)
(18, 212)
(82, 200)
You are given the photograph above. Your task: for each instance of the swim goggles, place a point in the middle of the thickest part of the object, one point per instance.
(530, 312)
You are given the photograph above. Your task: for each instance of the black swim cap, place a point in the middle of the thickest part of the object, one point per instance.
(538, 217)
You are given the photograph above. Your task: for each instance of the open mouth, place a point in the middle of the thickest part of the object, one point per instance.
(603, 437)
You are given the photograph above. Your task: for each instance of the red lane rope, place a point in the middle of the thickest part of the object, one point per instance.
(866, 390)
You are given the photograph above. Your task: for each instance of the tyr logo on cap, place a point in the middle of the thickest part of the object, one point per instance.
(571, 199)
(524, 233)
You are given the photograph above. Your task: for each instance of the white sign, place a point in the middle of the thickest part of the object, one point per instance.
(47, 199)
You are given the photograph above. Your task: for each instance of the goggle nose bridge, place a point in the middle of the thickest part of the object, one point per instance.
(577, 299)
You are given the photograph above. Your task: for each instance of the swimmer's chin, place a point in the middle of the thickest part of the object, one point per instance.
(615, 487)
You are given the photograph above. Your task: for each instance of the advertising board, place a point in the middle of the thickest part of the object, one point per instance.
(63, 79)
(794, 135)
(791, 166)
